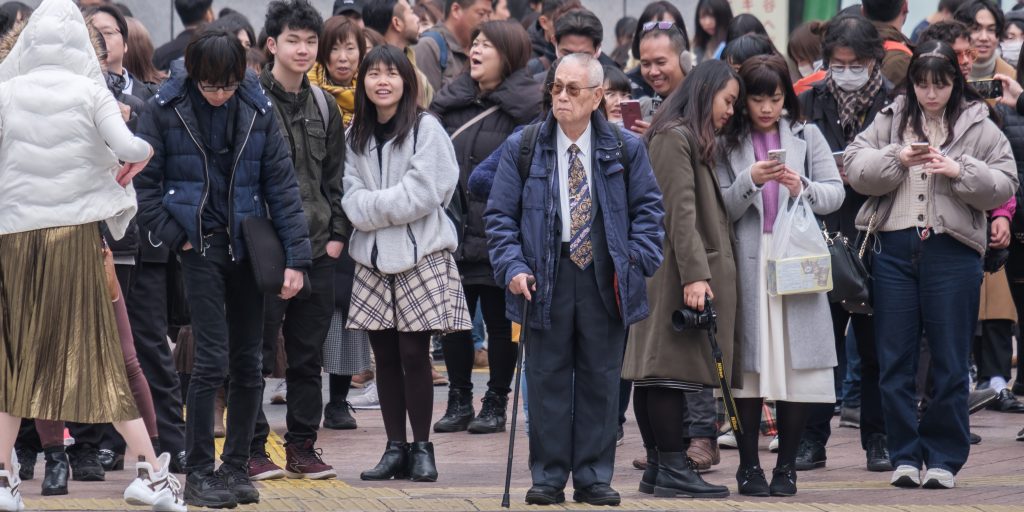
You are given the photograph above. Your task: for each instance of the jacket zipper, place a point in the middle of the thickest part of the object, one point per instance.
(206, 185)
(415, 248)
(231, 187)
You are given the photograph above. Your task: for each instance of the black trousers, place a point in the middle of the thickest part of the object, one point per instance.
(501, 352)
(573, 373)
(993, 350)
(227, 322)
(818, 428)
(305, 323)
(1017, 290)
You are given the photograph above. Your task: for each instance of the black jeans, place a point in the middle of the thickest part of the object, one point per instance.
(501, 352)
(993, 350)
(305, 323)
(227, 322)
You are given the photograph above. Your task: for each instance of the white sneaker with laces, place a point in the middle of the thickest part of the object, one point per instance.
(280, 394)
(938, 478)
(367, 400)
(10, 495)
(727, 440)
(773, 446)
(157, 489)
(906, 476)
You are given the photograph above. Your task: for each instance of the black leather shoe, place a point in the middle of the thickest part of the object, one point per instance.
(1006, 402)
(422, 467)
(459, 412)
(650, 478)
(337, 416)
(27, 458)
(178, 462)
(975, 438)
(544, 495)
(208, 489)
(85, 465)
(783, 481)
(111, 460)
(751, 481)
(597, 494)
(57, 470)
(393, 464)
(492, 415)
(677, 476)
(810, 455)
(878, 454)
(978, 399)
(236, 478)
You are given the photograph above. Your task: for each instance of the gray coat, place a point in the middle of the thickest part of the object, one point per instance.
(808, 316)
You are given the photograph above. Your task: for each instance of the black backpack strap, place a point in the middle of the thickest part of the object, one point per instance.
(526, 147)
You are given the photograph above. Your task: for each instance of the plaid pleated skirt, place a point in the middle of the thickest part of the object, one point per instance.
(427, 298)
(60, 354)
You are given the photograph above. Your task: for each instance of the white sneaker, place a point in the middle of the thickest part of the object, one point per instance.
(10, 496)
(727, 440)
(774, 445)
(906, 476)
(938, 478)
(280, 394)
(367, 400)
(157, 489)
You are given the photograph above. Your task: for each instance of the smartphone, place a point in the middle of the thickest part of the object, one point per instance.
(630, 113)
(838, 156)
(919, 147)
(779, 155)
(989, 89)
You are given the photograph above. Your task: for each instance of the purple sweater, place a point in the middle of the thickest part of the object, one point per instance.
(763, 143)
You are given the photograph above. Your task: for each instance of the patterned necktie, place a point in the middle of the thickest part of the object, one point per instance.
(580, 251)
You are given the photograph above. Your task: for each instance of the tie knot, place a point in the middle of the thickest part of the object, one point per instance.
(574, 150)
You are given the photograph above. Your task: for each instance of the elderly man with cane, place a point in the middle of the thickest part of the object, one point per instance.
(583, 219)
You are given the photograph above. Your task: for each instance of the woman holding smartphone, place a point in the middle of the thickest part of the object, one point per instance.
(787, 342)
(932, 163)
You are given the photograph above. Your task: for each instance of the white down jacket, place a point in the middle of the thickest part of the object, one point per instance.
(61, 131)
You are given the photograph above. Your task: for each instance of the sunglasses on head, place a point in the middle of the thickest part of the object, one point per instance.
(660, 25)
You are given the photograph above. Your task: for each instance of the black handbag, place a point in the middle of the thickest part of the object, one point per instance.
(266, 256)
(851, 281)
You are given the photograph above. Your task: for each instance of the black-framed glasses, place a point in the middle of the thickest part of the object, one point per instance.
(660, 25)
(231, 87)
(556, 88)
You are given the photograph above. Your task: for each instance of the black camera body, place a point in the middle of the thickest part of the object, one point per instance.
(691, 319)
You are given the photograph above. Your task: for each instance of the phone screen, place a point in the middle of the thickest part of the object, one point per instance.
(630, 113)
(989, 89)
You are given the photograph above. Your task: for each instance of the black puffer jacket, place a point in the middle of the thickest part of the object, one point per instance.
(518, 99)
(1013, 128)
(820, 107)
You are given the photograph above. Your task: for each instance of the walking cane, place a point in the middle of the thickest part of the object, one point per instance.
(515, 396)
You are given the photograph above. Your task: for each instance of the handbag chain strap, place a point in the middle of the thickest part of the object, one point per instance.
(867, 235)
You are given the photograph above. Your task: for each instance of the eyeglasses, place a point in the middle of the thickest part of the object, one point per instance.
(574, 90)
(214, 88)
(660, 25)
(969, 54)
(852, 68)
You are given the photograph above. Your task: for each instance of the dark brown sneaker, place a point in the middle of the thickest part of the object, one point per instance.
(304, 462)
(262, 468)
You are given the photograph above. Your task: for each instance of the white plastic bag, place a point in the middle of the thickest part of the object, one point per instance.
(799, 261)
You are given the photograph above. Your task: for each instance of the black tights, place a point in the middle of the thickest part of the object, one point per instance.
(339, 388)
(404, 384)
(792, 416)
(660, 413)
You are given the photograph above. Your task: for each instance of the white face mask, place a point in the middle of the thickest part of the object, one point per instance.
(808, 69)
(850, 81)
(1011, 51)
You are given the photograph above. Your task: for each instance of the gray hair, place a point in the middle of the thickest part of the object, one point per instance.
(595, 71)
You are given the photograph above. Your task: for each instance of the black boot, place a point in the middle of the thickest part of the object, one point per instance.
(393, 464)
(27, 459)
(459, 413)
(85, 464)
(783, 481)
(338, 417)
(111, 460)
(492, 415)
(421, 462)
(649, 480)
(55, 478)
(676, 477)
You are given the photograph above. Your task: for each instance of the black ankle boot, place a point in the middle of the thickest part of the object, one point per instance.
(459, 412)
(650, 477)
(783, 481)
(492, 415)
(393, 464)
(421, 462)
(677, 477)
(55, 478)
(750, 481)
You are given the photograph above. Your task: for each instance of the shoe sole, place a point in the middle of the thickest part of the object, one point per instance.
(397, 476)
(646, 488)
(450, 430)
(878, 468)
(666, 492)
(423, 478)
(808, 467)
(269, 475)
(247, 499)
(88, 478)
(323, 475)
(341, 427)
(934, 483)
(905, 482)
(541, 499)
(195, 502)
(981, 405)
(55, 492)
(471, 430)
(599, 502)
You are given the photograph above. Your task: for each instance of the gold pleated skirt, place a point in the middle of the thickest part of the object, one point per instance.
(60, 355)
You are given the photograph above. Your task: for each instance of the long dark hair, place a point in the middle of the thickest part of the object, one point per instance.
(692, 104)
(388, 57)
(935, 62)
(762, 75)
(722, 13)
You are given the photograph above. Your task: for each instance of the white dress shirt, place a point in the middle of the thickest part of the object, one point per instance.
(562, 144)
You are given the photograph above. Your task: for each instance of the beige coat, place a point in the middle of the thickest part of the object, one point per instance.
(698, 246)
(996, 301)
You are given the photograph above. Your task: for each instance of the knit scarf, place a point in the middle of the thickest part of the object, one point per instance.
(345, 96)
(854, 104)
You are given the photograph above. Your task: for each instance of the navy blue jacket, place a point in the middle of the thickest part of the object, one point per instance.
(523, 226)
(173, 189)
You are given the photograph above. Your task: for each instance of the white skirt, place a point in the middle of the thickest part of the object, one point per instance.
(777, 379)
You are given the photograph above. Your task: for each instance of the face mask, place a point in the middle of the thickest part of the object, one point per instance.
(1011, 51)
(805, 69)
(850, 81)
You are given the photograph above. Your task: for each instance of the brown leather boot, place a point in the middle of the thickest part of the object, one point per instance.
(704, 452)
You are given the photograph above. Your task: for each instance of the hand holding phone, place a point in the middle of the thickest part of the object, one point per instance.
(779, 155)
(630, 110)
(917, 153)
(988, 89)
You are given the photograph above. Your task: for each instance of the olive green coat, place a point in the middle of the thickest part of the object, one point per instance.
(698, 246)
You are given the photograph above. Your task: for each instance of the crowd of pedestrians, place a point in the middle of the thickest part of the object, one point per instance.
(361, 194)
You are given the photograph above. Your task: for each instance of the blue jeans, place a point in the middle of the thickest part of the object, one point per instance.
(929, 288)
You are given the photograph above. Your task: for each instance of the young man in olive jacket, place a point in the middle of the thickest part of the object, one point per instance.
(312, 127)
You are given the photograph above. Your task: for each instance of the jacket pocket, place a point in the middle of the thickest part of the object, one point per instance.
(316, 138)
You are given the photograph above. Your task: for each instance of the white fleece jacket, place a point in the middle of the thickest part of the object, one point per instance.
(399, 210)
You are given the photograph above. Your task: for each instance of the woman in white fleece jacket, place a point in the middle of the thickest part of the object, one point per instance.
(400, 172)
